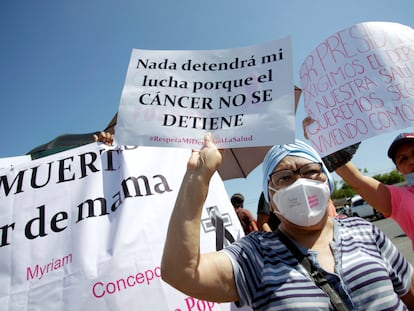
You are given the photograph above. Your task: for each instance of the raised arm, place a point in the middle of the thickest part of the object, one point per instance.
(373, 191)
(204, 276)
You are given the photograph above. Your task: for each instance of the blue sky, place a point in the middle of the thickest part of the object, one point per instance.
(63, 63)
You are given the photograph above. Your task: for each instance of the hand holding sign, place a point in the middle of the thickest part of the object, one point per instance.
(206, 160)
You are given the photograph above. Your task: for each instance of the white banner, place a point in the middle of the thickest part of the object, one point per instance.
(244, 96)
(9, 162)
(84, 229)
(359, 83)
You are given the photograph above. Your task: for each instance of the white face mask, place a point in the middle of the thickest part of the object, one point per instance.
(304, 202)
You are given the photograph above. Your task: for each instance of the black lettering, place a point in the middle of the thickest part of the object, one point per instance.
(90, 204)
(135, 183)
(62, 170)
(4, 234)
(5, 183)
(56, 219)
(34, 175)
(41, 228)
(84, 164)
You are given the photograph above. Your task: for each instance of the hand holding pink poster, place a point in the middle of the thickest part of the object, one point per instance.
(244, 96)
(359, 83)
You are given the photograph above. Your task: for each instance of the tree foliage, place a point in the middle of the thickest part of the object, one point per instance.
(393, 177)
(345, 191)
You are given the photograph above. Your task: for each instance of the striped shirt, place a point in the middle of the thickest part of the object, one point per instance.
(370, 273)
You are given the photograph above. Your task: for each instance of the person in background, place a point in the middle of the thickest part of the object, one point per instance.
(245, 216)
(263, 269)
(391, 201)
(332, 209)
(266, 219)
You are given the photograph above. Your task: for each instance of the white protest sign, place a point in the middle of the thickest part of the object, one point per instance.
(244, 96)
(6, 163)
(84, 229)
(359, 83)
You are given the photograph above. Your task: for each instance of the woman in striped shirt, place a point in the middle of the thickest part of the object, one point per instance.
(357, 259)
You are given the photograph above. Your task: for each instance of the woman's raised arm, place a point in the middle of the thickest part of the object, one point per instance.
(203, 276)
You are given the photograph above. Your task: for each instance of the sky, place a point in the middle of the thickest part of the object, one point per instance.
(63, 63)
